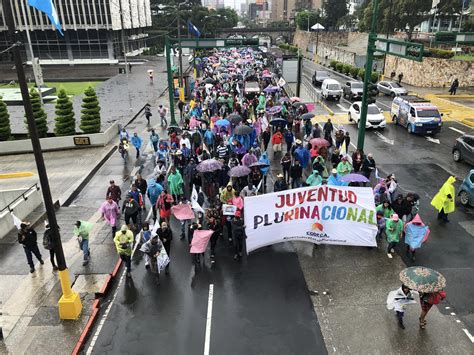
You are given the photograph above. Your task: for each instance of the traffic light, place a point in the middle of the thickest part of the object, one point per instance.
(372, 93)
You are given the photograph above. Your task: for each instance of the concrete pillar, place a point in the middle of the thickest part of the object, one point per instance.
(70, 56)
(110, 45)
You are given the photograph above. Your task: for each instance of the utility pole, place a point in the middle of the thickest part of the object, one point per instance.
(170, 80)
(368, 72)
(181, 83)
(298, 75)
(389, 27)
(70, 303)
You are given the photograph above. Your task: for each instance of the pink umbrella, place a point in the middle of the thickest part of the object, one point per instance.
(319, 142)
(295, 99)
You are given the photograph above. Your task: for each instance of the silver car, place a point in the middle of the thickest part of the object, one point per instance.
(391, 88)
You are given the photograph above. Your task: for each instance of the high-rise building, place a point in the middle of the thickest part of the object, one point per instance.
(285, 10)
(95, 31)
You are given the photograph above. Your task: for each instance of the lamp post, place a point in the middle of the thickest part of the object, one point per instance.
(70, 305)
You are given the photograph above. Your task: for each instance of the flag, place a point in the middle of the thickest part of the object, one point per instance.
(16, 221)
(200, 241)
(49, 9)
(194, 201)
(182, 212)
(193, 30)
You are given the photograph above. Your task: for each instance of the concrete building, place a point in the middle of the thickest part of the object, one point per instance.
(285, 10)
(353, 5)
(93, 30)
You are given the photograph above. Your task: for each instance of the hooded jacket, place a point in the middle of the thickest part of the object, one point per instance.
(416, 232)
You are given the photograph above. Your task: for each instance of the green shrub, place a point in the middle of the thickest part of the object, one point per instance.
(333, 64)
(339, 67)
(346, 68)
(90, 113)
(38, 114)
(354, 71)
(438, 53)
(65, 122)
(374, 77)
(5, 129)
(361, 73)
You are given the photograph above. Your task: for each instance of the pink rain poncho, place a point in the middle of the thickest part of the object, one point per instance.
(110, 211)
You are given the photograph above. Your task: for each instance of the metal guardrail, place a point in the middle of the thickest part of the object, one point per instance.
(21, 196)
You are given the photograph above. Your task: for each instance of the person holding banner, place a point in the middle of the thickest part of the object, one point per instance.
(166, 236)
(314, 179)
(238, 233)
(280, 184)
(344, 167)
(151, 249)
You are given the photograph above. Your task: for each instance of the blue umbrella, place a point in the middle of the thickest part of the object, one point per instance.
(222, 123)
(274, 110)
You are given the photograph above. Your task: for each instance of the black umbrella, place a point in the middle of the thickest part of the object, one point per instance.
(297, 104)
(278, 122)
(243, 130)
(307, 116)
(259, 165)
(209, 81)
(175, 129)
(234, 118)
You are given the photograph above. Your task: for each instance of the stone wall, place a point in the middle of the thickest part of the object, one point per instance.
(303, 38)
(432, 72)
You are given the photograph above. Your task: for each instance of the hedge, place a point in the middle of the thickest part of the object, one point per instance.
(289, 47)
(38, 114)
(438, 53)
(333, 64)
(65, 122)
(339, 67)
(90, 118)
(354, 71)
(5, 130)
(346, 68)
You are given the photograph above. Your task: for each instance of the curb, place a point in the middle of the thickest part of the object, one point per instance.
(331, 112)
(96, 309)
(461, 96)
(468, 122)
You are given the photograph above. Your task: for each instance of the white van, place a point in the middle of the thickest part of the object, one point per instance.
(331, 89)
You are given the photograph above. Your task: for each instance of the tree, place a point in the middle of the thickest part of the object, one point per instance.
(302, 18)
(90, 113)
(411, 13)
(333, 11)
(347, 22)
(65, 122)
(5, 130)
(38, 114)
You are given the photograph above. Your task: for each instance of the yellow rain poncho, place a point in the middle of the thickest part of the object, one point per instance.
(444, 199)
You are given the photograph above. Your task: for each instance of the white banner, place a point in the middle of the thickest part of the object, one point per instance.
(281, 82)
(340, 215)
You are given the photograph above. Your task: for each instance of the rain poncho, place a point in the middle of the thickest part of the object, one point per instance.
(387, 212)
(226, 195)
(344, 168)
(175, 183)
(110, 211)
(264, 159)
(441, 199)
(302, 155)
(153, 191)
(393, 230)
(137, 142)
(83, 230)
(416, 233)
(249, 159)
(314, 179)
(336, 181)
(398, 301)
(262, 102)
(124, 242)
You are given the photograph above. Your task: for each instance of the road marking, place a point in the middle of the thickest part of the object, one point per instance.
(16, 175)
(383, 138)
(342, 108)
(453, 314)
(432, 140)
(471, 338)
(207, 341)
(456, 130)
(389, 255)
(381, 103)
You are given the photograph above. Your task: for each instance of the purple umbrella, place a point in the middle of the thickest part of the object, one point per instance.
(239, 171)
(354, 178)
(270, 89)
(274, 110)
(284, 99)
(209, 165)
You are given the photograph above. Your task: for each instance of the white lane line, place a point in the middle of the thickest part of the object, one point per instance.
(383, 138)
(207, 341)
(342, 108)
(382, 104)
(456, 130)
(471, 338)
(432, 140)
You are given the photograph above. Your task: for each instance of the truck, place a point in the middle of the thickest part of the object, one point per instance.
(251, 89)
(417, 115)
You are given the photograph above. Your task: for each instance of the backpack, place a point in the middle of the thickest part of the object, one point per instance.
(47, 240)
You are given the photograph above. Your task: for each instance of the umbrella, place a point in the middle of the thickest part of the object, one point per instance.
(307, 116)
(208, 86)
(422, 279)
(175, 129)
(317, 26)
(274, 110)
(284, 99)
(354, 178)
(319, 142)
(222, 123)
(270, 89)
(234, 118)
(239, 171)
(209, 81)
(243, 130)
(267, 76)
(259, 165)
(295, 99)
(278, 121)
(208, 165)
(297, 104)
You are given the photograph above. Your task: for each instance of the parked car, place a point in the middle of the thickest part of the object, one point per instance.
(391, 88)
(466, 191)
(375, 117)
(353, 90)
(331, 89)
(319, 76)
(464, 149)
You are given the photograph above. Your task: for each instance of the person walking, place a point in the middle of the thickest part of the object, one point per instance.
(130, 211)
(266, 135)
(166, 236)
(328, 128)
(444, 199)
(153, 192)
(162, 110)
(81, 232)
(48, 244)
(164, 203)
(393, 231)
(368, 165)
(427, 300)
(148, 113)
(285, 162)
(344, 167)
(28, 238)
(142, 186)
(124, 243)
(277, 139)
(280, 183)
(154, 139)
(400, 78)
(454, 87)
(151, 249)
(175, 183)
(110, 213)
(398, 300)
(137, 143)
(114, 192)
(238, 235)
(296, 173)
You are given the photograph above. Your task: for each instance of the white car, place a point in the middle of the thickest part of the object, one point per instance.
(375, 117)
(331, 89)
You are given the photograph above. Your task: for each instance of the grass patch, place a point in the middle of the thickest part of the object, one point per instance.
(71, 87)
(468, 57)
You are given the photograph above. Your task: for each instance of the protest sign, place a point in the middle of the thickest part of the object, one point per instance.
(339, 215)
(200, 241)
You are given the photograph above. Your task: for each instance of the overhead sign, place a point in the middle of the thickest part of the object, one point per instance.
(454, 37)
(339, 215)
(403, 49)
